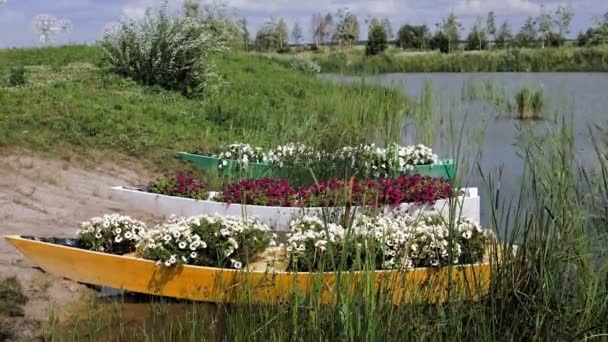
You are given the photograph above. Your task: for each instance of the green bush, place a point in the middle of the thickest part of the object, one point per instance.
(171, 52)
(305, 65)
(377, 40)
(16, 76)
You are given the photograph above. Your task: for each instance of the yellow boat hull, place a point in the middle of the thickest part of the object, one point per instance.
(208, 284)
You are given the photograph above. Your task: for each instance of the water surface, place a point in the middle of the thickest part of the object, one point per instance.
(579, 98)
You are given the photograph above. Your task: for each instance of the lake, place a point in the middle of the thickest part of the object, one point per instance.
(581, 98)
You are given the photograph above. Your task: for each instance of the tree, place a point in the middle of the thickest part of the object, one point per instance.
(224, 22)
(545, 24)
(413, 37)
(192, 9)
(376, 39)
(440, 42)
(272, 36)
(504, 36)
(477, 39)
(527, 36)
(451, 28)
(347, 28)
(266, 38)
(321, 28)
(388, 27)
(328, 23)
(282, 35)
(564, 15)
(491, 25)
(296, 33)
(246, 41)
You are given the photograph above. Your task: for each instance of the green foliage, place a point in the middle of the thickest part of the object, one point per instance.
(263, 103)
(413, 37)
(450, 27)
(305, 65)
(512, 60)
(347, 28)
(377, 40)
(441, 42)
(273, 35)
(477, 39)
(53, 56)
(12, 299)
(594, 36)
(504, 38)
(528, 35)
(529, 103)
(163, 50)
(16, 76)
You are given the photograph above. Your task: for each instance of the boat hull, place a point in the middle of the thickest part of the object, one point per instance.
(278, 218)
(207, 284)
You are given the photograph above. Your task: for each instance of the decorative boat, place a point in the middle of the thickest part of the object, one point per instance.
(444, 168)
(278, 218)
(420, 285)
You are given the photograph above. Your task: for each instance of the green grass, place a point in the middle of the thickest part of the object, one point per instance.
(515, 60)
(11, 300)
(68, 102)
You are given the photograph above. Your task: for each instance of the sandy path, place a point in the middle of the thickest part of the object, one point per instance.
(45, 197)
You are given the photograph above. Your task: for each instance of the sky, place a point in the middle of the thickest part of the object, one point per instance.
(90, 17)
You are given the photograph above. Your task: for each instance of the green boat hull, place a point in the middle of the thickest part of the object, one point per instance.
(442, 169)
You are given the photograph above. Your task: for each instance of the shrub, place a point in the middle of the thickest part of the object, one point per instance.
(214, 241)
(171, 52)
(16, 76)
(305, 65)
(180, 184)
(398, 242)
(377, 40)
(111, 234)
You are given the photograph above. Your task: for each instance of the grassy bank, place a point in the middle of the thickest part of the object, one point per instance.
(68, 102)
(515, 60)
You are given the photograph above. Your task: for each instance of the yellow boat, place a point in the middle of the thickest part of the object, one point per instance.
(208, 284)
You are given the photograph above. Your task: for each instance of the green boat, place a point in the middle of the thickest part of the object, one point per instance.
(444, 168)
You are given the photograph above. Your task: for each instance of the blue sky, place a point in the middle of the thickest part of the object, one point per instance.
(89, 17)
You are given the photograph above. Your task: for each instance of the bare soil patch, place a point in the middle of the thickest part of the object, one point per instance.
(49, 197)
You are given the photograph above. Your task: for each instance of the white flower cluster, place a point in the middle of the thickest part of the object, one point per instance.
(383, 162)
(188, 240)
(378, 161)
(242, 153)
(112, 230)
(405, 241)
(293, 154)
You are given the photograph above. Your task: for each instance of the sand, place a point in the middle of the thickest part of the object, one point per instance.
(50, 197)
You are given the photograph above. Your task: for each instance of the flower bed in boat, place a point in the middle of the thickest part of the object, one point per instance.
(363, 241)
(298, 160)
(217, 241)
(336, 192)
(467, 204)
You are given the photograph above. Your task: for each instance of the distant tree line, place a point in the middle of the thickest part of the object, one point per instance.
(342, 29)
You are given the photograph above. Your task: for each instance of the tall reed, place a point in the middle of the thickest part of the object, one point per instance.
(551, 282)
